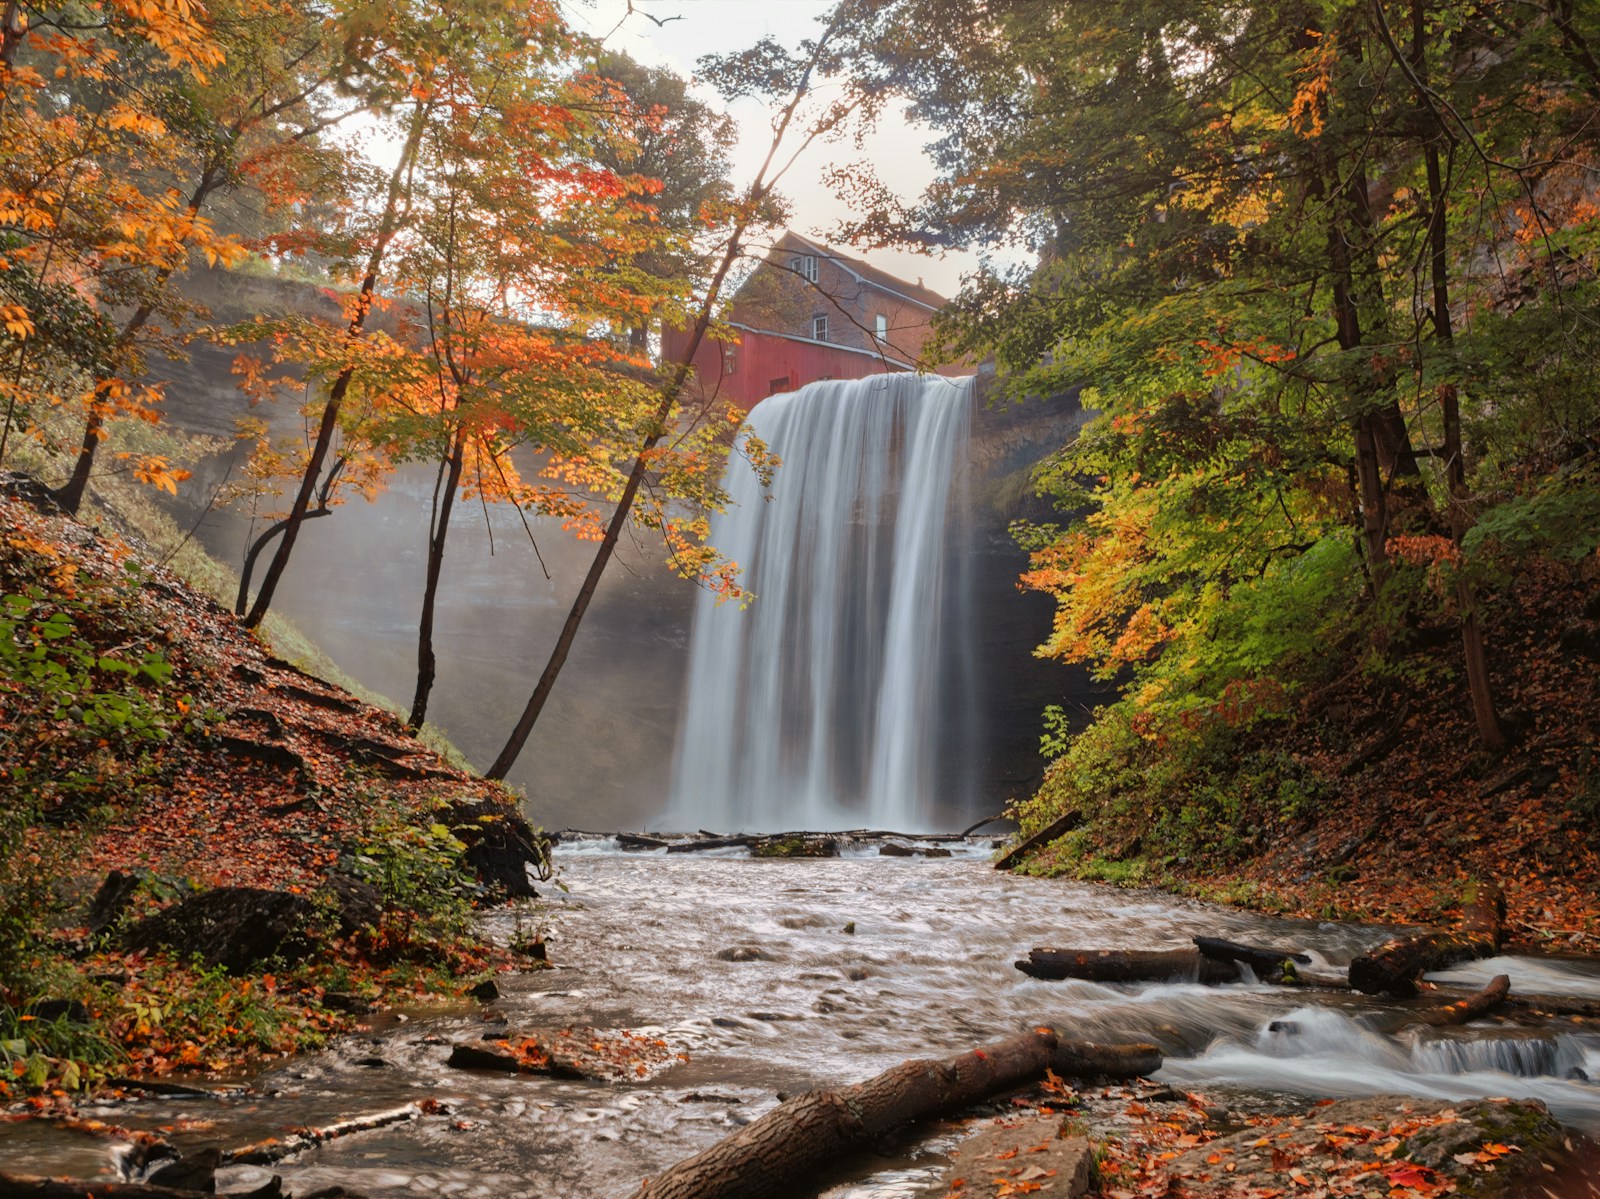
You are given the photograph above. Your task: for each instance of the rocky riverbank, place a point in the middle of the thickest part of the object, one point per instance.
(210, 856)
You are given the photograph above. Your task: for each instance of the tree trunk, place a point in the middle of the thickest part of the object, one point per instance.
(1273, 962)
(436, 536)
(387, 227)
(1472, 647)
(770, 1155)
(1463, 1010)
(260, 543)
(275, 1149)
(1056, 828)
(759, 192)
(1127, 965)
(70, 497)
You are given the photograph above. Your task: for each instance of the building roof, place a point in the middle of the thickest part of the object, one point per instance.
(925, 297)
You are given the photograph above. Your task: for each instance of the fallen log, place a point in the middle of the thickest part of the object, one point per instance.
(1128, 965)
(1269, 965)
(31, 1186)
(700, 843)
(1394, 967)
(1461, 1011)
(769, 1155)
(893, 849)
(1333, 980)
(1460, 1007)
(1086, 1059)
(972, 828)
(639, 841)
(275, 1149)
(1044, 836)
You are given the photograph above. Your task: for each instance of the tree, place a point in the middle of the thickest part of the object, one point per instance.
(1254, 224)
(768, 70)
(244, 122)
(664, 134)
(84, 215)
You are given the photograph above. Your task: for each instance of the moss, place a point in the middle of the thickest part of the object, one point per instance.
(795, 847)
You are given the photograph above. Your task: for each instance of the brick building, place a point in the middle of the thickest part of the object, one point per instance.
(807, 313)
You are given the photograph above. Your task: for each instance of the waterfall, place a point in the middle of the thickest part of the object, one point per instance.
(823, 703)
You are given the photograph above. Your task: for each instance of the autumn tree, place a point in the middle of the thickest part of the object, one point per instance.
(789, 82)
(85, 219)
(1262, 232)
(517, 339)
(186, 107)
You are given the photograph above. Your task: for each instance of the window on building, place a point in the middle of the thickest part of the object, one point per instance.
(819, 326)
(776, 385)
(804, 265)
(883, 327)
(729, 360)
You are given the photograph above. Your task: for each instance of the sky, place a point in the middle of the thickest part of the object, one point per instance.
(695, 27)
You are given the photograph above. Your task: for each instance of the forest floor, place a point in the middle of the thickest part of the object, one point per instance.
(147, 737)
(1406, 807)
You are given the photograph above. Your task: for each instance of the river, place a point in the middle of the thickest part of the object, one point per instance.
(650, 941)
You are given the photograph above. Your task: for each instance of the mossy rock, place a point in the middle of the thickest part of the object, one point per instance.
(1542, 1149)
(795, 847)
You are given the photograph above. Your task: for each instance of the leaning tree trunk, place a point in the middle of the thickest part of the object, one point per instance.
(426, 662)
(387, 227)
(70, 497)
(769, 1155)
(758, 194)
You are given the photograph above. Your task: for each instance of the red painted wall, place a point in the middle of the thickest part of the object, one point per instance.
(760, 364)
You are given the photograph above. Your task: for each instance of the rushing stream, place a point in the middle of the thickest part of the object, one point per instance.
(650, 941)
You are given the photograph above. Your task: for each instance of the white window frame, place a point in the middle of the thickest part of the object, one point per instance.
(819, 327)
(883, 327)
(804, 265)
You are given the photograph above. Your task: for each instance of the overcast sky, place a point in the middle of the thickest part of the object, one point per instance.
(719, 26)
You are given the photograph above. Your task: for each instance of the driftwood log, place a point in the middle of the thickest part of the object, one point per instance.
(769, 1155)
(1057, 828)
(639, 841)
(1461, 1011)
(29, 1186)
(275, 1149)
(1128, 965)
(1460, 1007)
(700, 843)
(1269, 965)
(1394, 967)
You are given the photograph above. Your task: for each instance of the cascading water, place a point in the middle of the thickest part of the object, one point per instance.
(819, 705)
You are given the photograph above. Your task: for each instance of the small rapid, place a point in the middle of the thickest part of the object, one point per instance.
(775, 976)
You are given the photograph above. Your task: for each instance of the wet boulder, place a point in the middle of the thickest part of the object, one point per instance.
(232, 927)
(359, 903)
(504, 852)
(111, 901)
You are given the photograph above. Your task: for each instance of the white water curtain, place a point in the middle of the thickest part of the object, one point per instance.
(819, 705)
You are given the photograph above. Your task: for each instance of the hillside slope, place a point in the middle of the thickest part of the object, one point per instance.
(156, 758)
